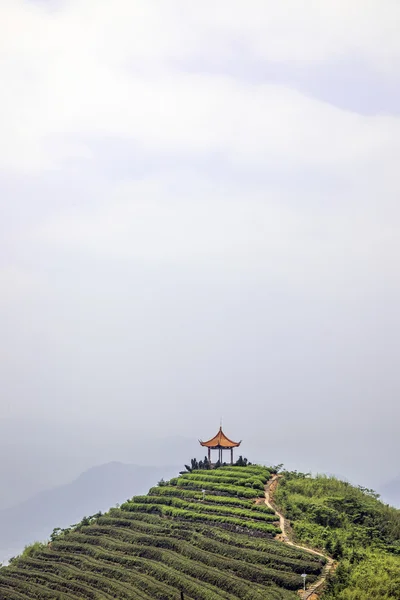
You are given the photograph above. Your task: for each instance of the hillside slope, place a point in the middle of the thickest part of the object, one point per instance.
(209, 544)
(350, 524)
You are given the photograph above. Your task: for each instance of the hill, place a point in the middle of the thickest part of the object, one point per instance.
(350, 524)
(94, 490)
(212, 534)
(208, 545)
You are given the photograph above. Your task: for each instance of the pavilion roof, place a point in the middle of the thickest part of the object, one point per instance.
(220, 441)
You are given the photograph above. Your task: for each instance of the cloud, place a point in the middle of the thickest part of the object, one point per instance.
(182, 228)
(90, 68)
(184, 221)
(296, 176)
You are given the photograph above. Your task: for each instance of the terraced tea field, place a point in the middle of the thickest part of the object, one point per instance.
(205, 534)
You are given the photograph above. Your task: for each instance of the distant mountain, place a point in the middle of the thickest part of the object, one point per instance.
(95, 490)
(40, 455)
(390, 492)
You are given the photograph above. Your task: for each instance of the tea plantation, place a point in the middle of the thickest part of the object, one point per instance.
(207, 535)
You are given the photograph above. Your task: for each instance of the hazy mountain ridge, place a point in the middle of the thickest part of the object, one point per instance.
(94, 490)
(40, 454)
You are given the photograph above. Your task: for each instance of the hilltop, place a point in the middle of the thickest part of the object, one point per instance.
(221, 533)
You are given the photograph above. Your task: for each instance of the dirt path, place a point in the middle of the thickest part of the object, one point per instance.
(284, 537)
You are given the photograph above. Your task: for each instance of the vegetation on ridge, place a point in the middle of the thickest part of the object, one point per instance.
(350, 524)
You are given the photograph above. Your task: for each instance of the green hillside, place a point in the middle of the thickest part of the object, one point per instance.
(350, 524)
(209, 545)
(209, 534)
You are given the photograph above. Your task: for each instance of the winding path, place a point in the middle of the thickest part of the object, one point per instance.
(286, 539)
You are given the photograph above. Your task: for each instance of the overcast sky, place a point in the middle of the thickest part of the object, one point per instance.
(200, 219)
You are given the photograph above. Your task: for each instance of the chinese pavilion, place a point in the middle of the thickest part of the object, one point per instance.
(220, 442)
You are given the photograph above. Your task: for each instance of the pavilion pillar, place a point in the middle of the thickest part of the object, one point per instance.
(219, 442)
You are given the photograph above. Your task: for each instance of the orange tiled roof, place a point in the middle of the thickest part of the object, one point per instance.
(220, 441)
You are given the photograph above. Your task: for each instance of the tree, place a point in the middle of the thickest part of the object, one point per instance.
(329, 545)
(242, 462)
(197, 465)
(55, 533)
(337, 550)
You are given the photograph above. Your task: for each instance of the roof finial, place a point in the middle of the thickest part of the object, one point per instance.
(220, 423)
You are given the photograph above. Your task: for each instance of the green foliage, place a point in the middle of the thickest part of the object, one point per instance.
(33, 549)
(201, 514)
(253, 482)
(350, 524)
(209, 485)
(200, 506)
(376, 575)
(198, 495)
(324, 507)
(240, 472)
(242, 462)
(197, 465)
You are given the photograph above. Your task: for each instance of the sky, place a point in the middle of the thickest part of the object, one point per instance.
(199, 220)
